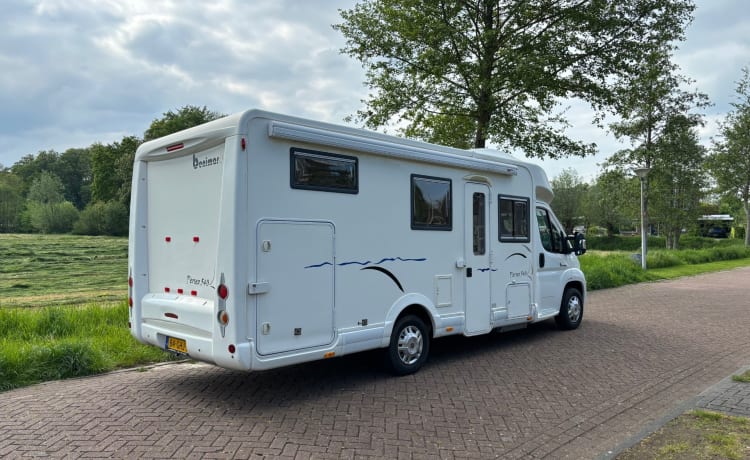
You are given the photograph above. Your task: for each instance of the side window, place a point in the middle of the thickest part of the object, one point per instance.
(551, 236)
(328, 172)
(513, 219)
(430, 203)
(479, 224)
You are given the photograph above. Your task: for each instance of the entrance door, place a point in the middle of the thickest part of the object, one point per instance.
(477, 256)
(295, 262)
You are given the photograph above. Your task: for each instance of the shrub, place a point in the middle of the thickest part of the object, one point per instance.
(103, 218)
(52, 217)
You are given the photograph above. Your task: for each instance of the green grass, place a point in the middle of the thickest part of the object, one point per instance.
(698, 434)
(41, 270)
(744, 377)
(618, 268)
(62, 309)
(60, 342)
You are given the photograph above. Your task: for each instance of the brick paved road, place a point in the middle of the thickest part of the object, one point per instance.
(642, 352)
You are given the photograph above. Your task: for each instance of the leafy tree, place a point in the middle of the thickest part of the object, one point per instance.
(570, 195)
(467, 72)
(112, 168)
(74, 169)
(30, 167)
(47, 210)
(678, 179)
(730, 161)
(614, 200)
(47, 189)
(11, 201)
(184, 118)
(647, 101)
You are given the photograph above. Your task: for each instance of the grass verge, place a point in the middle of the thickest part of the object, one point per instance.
(52, 343)
(698, 434)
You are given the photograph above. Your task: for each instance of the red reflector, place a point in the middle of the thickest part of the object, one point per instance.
(168, 239)
(231, 347)
(223, 292)
(180, 291)
(174, 147)
(193, 292)
(196, 239)
(130, 301)
(130, 281)
(166, 289)
(170, 315)
(243, 144)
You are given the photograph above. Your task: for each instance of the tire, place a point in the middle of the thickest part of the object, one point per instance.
(571, 310)
(409, 347)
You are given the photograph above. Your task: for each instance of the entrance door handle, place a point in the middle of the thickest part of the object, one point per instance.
(541, 260)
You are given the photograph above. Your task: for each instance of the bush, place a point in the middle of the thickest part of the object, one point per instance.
(103, 218)
(52, 217)
(611, 270)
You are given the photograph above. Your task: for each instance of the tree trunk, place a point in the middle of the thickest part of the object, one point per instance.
(746, 205)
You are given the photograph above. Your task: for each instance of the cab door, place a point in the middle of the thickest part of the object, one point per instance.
(553, 259)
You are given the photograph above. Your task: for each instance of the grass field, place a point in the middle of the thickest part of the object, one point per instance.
(63, 309)
(43, 270)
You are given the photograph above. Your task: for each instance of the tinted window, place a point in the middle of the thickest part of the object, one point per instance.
(480, 226)
(323, 171)
(430, 203)
(513, 217)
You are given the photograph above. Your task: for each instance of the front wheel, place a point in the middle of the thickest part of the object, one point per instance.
(571, 310)
(409, 347)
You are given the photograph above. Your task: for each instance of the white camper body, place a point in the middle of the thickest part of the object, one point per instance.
(260, 240)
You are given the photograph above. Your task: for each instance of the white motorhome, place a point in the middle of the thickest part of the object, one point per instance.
(261, 240)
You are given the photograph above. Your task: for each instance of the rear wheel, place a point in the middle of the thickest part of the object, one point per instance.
(571, 310)
(409, 347)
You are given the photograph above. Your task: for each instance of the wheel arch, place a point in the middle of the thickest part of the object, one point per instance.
(411, 304)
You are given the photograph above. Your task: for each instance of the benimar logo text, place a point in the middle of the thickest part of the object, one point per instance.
(206, 161)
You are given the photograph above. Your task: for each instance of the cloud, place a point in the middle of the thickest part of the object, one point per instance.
(77, 72)
(82, 71)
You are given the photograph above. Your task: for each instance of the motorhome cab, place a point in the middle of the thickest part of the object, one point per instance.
(260, 240)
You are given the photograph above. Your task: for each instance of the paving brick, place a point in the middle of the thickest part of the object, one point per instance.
(641, 352)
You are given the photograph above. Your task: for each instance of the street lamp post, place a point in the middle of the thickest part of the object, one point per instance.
(642, 173)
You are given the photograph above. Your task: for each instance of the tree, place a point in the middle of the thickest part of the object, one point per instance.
(613, 200)
(112, 169)
(46, 189)
(570, 194)
(184, 118)
(647, 101)
(74, 169)
(472, 71)
(11, 201)
(678, 178)
(47, 209)
(730, 161)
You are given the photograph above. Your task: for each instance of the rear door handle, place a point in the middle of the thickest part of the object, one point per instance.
(468, 272)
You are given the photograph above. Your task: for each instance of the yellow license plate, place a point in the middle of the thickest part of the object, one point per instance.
(175, 344)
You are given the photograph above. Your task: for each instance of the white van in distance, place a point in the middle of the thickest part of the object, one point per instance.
(261, 240)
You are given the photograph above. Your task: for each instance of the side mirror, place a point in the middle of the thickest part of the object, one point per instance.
(579, 244)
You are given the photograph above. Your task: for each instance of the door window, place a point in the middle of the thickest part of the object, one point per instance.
(551, 236)
(480, 224)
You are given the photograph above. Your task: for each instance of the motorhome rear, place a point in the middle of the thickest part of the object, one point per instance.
(261, 240)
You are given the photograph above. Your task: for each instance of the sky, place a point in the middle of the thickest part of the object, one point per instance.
(76, 72)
